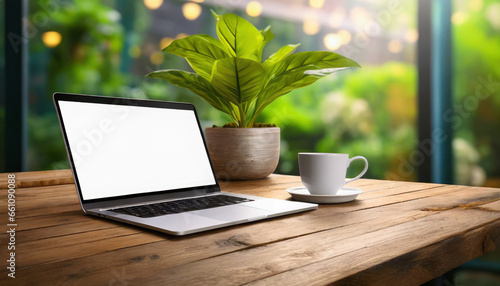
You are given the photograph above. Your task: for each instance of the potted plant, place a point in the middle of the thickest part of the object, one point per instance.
(230, 75)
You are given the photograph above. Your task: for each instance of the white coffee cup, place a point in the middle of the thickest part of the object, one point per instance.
(324, 173)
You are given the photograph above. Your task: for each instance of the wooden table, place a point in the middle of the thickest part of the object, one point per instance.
(396, 233)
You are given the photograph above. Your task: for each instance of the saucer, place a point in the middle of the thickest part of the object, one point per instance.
(342, 196)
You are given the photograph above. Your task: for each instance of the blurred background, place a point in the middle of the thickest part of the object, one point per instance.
(107, 47)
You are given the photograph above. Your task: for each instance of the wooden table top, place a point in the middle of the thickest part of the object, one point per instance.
(394, 233)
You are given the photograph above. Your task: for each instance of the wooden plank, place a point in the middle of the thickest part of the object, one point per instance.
(292, 254)
(59, 219)
(88, 243)
(38, 178)
(43, 230)
(389, 264)
(23, 213)
(172, 252)
(76, 217)
(233, 239)
(491, 207)
(31, 201)
(395, 192)
(439, 258)
(67, 218)
(69, 229)
(267, 260)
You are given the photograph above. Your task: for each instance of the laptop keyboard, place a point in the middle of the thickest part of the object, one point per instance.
(180, 206)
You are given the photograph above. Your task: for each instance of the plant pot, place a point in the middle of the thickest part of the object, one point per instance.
(243, 153)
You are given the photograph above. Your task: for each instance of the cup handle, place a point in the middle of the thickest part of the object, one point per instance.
(362, 172)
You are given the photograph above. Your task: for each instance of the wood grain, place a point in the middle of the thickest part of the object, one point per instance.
(394, 231)
(39, 178)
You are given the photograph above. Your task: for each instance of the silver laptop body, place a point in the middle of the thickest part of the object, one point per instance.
(125, 153)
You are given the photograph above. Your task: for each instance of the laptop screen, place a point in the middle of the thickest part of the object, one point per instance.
(121, 150)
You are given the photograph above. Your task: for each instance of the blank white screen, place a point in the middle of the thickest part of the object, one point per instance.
(122, 150)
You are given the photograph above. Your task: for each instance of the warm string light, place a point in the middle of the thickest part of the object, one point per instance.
(153, 4)
(254, 9)
(345, 36)
(51, 39)
(191, 11)
(411, 36)
(317, 4)
(476, 5)
(395, 46)
(332, 41)
(459, 18)
(311, 25)
(156, 58)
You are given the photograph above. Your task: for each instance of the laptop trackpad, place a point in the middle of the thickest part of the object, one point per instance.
(233, 213)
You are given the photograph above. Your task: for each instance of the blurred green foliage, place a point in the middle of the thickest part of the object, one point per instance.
(477, 71)
(88, 59)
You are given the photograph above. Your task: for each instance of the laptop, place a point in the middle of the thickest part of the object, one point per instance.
(146, 163)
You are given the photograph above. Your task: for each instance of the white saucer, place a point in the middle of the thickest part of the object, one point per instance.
(342, 196)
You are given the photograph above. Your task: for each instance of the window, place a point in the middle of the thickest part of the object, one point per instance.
(99, 48)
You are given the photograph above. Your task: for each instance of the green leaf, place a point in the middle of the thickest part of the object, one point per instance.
(278, 56)
(308, 61)
(268, 36)
(239, 36)
(201, 51)
(196, 84)
(299, 70)
(280, 86)
(239, 80)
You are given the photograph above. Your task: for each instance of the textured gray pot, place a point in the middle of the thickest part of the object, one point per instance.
(243, 153)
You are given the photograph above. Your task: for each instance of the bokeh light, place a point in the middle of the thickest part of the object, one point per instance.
(318, 4)
(254, 9)
(458, 18)
(191, 11)
(395, 46)
(311, 26)
(411, 36)
(332, 41)
(493, 15)
(156, 58)
(51, 39)
(345, 36)
(153, 4)
(476, 5)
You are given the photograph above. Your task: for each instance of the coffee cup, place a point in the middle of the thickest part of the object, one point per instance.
(325, 173)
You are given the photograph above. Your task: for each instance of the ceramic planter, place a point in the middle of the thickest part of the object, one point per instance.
(243, 153)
